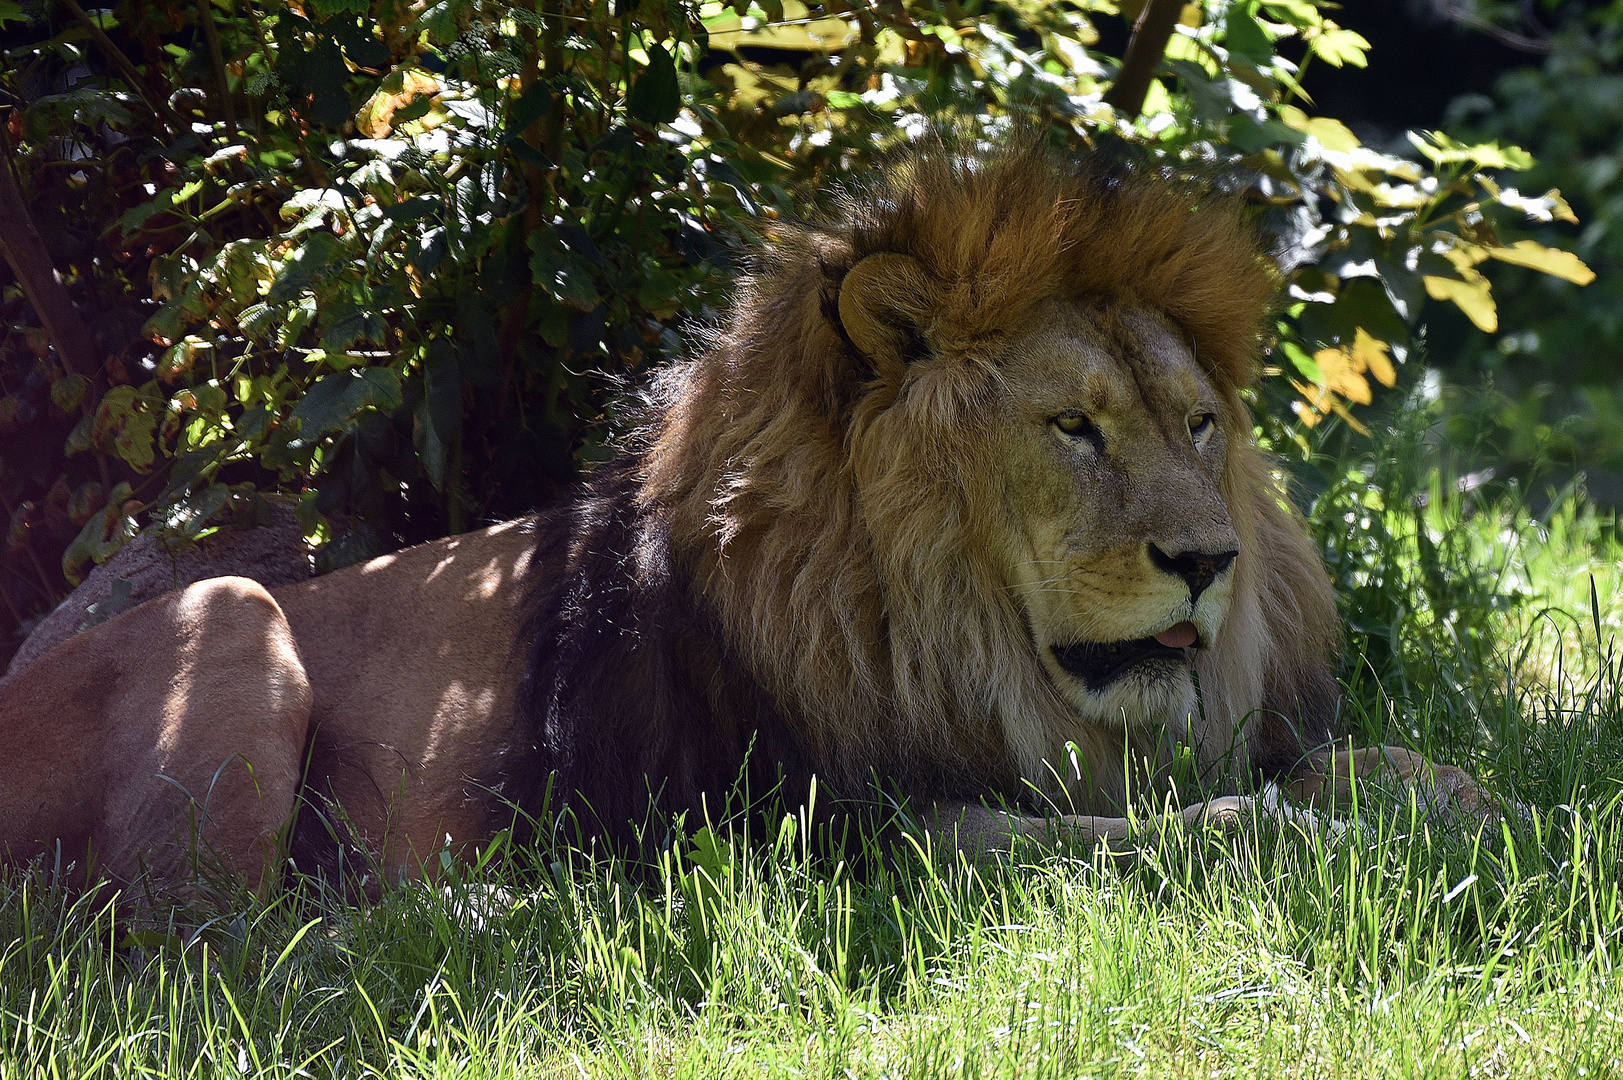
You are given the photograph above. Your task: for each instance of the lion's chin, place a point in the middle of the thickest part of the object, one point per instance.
(1134, 683)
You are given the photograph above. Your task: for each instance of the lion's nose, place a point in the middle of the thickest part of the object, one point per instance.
(1198, 568)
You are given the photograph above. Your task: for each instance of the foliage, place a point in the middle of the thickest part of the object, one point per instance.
(395, 256)
(1549, 392)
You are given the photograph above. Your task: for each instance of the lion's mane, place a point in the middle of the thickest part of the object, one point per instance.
(781, 574)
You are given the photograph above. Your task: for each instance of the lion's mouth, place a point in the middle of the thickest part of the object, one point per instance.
(1100, 663)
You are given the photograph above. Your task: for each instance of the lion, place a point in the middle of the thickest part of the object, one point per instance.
(961, 499)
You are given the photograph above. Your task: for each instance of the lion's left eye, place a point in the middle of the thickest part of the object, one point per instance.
(1201, 424)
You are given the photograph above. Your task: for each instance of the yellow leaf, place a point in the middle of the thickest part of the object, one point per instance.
(1464, 255)
(1444, 150)
(814, 35)
(1558, 206)
(1332, 134)
(1472, 297)
(1399, 196)
(398, 89)
(1373, 354)
(1343, 374)
(1315, 397)
(1321, 403)
(1352, 421)
(1553, 261)
(1339, 46)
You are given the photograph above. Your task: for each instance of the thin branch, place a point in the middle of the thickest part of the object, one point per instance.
(205, 12)
(1457, 12)
(544, 135)
(127, 70)
(16, 612)
(47, 589)
(30, 261)
(1144, 52)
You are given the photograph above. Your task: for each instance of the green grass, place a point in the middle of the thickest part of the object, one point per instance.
(1402, 947)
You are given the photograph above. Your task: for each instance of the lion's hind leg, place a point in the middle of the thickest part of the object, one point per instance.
(171, 734)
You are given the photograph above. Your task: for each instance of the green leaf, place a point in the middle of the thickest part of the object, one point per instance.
(527, 154)
(420, 206)
(1339, 47)
(68, 391)
(478, 352)
(1302, 361)
(1244, 37)
(430, 250)
(356, 545)
(253, 424)
(78, 440)
(322, 72)
(349, 324)
(202, 506)
(359, 37)
(419, 107)
(530, 106)
(11, 12)
(295, 321)
(1363, 303)
(326, 9)
(124, 424)
(334, 400)
(1444, 150)
(118, 599)
(656, 98)
(105, 532)
(559, 263)
(318, 252)
(136, 217)
(467, 231)
(438, 426)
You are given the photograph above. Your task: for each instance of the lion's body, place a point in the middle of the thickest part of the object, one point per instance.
(178, 688)
(959, 500)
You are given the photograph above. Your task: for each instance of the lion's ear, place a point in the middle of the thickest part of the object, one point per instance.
(884, 300)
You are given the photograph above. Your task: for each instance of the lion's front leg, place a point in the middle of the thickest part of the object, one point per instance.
(979, 831)
(1331, 776)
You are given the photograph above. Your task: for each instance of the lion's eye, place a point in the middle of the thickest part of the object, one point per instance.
(1075, 425)
(1201, 424)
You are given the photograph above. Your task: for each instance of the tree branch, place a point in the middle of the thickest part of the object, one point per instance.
(1144, 52)
(1458, 12)
(205, 12)
(126, 70)
(30, 260)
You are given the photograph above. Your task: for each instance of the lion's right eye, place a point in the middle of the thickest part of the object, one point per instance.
(1074, 425)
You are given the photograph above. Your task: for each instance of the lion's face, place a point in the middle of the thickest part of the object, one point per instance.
(1115, 540)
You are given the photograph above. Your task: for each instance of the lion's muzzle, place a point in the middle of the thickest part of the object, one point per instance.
(1100, 663)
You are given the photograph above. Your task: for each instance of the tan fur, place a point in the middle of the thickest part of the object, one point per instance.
(103, 739)
(410, 661)
(864, 482)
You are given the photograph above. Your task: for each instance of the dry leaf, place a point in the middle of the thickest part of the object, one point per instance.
(1553, 261)
(1472, 297)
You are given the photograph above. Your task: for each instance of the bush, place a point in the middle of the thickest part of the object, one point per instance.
(395, 258)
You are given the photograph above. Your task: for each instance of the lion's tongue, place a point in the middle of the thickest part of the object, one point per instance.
(1180, 636)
